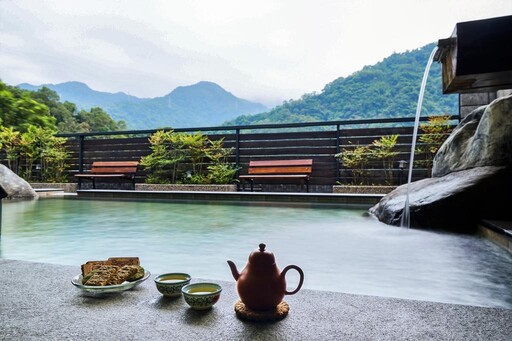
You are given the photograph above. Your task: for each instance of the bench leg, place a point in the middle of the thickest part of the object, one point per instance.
(307, 185)
(252, 185)
(133, 183)
(79, 183)
(93, 183)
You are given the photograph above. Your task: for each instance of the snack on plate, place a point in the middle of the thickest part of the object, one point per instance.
(88, 266)
(122, 275)
(102, 275)
(138, 275)
(122, 261)
(113, 271)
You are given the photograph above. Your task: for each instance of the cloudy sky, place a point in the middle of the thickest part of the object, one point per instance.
(264, 50)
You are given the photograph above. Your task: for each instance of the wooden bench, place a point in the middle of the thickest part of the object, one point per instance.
(109, 170)
(278, 170)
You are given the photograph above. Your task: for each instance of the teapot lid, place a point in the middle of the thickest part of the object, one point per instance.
(262, 257)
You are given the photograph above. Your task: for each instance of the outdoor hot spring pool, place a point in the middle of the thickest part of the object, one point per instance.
(339, 249)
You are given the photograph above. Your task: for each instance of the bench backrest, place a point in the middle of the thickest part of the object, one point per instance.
(114, 167)
(281, 167)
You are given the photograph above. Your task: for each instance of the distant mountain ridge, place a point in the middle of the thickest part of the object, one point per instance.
(387, 89)
(198, 105)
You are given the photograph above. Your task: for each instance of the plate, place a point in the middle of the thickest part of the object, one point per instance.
(98, 290)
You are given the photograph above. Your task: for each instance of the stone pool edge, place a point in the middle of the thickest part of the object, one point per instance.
(357, 200)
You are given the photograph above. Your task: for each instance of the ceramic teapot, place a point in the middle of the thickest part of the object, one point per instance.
(260, 285)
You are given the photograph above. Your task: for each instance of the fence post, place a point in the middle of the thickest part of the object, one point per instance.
(337, 152)
(237, 150)
(81, 153)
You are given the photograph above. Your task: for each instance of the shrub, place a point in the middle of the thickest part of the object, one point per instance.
(36, 146)
(187, 158)
(384, 149)
(433, 135)
(356, 159)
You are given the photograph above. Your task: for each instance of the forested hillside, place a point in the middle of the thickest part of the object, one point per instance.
(387, 89)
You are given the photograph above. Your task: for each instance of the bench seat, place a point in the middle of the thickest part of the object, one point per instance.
(109, 170)
(278, 169)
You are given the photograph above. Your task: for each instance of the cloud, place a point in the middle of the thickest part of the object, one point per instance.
(261, 50)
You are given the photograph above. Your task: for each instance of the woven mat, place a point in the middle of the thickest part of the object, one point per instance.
(277, 314)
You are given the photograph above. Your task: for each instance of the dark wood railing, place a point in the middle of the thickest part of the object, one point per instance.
(319, 141)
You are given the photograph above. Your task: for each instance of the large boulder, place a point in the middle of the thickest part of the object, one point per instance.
(483, 138)
(454, 202)
(14, 186)
(472, 176)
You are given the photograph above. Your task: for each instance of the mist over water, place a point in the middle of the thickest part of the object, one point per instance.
(340, 250)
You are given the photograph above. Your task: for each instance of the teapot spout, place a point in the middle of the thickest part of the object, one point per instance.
(234, 270)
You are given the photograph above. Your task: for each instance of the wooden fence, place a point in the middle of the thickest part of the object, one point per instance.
(319, 141)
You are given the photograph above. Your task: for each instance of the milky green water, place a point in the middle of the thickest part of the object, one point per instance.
(339, 249)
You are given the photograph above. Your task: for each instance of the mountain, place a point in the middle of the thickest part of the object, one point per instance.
(199, 105)
(387, 89)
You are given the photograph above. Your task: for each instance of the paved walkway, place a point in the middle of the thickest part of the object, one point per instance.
(38, 302)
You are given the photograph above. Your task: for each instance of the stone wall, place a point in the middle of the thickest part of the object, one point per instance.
(470, 102)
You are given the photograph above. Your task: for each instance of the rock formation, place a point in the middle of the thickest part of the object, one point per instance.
(483, 138)
(472, 176)
(14, 186)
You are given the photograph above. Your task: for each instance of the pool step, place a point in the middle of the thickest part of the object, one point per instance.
(44, 192)
(499, 232)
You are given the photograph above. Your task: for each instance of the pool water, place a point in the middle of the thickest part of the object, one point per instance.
(340, 250)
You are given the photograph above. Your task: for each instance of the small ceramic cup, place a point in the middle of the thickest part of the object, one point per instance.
(201, 296)
(170, 284)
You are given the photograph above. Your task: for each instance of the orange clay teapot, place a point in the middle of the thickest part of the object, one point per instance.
(260, 285)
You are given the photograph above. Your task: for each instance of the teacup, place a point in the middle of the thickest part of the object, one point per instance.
(170, 284)
(201, 296)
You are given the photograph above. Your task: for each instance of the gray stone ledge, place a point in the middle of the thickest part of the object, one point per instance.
(38, 302)
(68, 187)
(362, 189)
(185, 187)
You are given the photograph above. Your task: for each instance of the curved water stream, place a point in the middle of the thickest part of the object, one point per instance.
(406, 217)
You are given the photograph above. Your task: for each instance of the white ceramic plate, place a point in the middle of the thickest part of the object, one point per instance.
(98, 290)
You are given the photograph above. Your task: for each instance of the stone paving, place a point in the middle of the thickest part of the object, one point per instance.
(38, 302)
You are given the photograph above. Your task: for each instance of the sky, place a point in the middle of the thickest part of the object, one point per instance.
(266, 50)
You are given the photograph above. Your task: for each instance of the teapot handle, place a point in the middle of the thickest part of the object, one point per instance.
(301, 280)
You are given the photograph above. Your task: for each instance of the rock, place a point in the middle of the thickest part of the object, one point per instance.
(483, 138)
(454, 202)
(14, 186)
(472, 176)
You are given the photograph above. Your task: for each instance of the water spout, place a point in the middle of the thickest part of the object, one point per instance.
(406, 217)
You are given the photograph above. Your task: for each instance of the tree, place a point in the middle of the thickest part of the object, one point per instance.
(10, 143)
(19, 110)
(98, 120)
